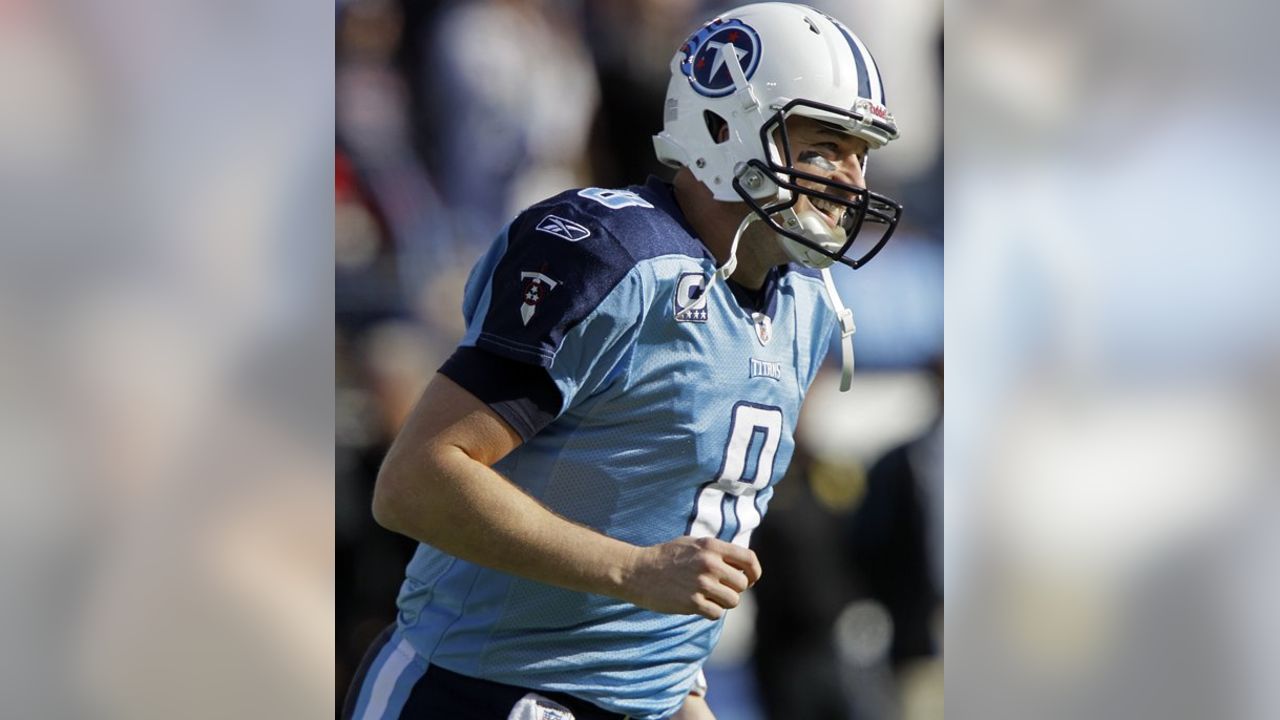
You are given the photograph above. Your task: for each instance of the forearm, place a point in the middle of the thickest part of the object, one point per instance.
(437, 486)
(461, 506)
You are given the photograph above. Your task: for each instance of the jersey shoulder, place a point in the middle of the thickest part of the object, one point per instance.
(567, 259)
(619, 227)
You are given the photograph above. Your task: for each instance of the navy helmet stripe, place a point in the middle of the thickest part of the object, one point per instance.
(866, 66)
(864, 81)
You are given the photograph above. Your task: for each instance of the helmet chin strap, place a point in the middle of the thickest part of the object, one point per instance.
(845, 315)
(846, 331)
(813, 227)
(731, 263)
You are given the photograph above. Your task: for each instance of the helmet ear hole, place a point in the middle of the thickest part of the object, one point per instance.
(717, 127)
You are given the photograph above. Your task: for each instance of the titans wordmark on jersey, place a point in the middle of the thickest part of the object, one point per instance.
(678, 412)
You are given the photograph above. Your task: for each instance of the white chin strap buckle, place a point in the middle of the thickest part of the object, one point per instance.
(725, 270)
(731, 263)
(847, 327)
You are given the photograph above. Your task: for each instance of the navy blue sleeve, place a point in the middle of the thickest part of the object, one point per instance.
(548, 271)
(524, 395)
(566, 286)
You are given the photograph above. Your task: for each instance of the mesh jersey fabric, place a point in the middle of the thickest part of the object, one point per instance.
(678, 412)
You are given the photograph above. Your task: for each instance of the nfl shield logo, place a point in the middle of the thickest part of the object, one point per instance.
(764, 327)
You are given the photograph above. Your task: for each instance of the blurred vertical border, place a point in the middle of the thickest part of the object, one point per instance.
(1111, 505)
(166, 414)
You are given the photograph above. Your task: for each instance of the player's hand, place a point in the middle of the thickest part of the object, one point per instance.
(694, 708)
(688, 576)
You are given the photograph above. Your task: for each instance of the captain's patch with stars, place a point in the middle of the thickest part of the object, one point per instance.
(690, 298)
(707, 54)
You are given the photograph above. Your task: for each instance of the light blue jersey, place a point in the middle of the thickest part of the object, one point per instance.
(679, 408)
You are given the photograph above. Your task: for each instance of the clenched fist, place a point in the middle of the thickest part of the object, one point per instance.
(688, 576)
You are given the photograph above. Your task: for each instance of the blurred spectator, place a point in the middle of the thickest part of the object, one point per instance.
(852, 598)
(631, 44)
(514, 92)
(379, 171)
(806, 585)
(896, 540)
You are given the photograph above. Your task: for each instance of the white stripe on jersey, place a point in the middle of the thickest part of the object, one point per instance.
(384, 684)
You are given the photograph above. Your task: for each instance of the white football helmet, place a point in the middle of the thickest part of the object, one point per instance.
(746, 72)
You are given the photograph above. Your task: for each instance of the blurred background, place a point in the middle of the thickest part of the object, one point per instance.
(451, 118)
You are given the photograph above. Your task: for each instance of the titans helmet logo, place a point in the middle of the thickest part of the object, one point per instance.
(707, 53)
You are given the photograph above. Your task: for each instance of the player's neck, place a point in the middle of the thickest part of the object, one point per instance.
(716, 222)
(752, 270)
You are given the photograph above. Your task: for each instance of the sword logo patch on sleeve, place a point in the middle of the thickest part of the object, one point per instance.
(536, 286)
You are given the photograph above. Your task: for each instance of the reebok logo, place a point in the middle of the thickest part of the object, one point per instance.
(564, 229)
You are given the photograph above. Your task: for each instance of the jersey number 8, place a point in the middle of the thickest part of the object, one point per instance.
(747, 468)
(615, 199)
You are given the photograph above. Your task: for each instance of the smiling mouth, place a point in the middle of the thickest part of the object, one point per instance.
(831, 212)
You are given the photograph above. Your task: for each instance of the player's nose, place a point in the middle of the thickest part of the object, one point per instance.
(842, 179)
(850, 173)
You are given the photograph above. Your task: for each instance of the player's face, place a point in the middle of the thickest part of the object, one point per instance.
(827, 151)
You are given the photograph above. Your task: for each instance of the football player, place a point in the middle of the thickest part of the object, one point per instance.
(585, 472)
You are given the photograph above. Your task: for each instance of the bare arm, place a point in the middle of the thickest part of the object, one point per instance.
(437, 487)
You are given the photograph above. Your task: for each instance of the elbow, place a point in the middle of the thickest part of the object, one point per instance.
(389, 498)
(405, 496)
